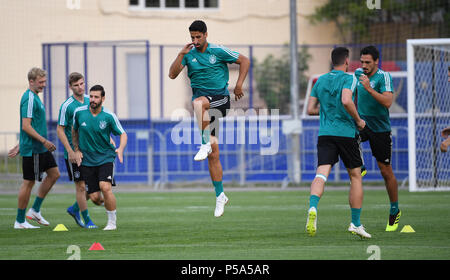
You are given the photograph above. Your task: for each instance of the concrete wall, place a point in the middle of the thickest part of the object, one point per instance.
(25, 25)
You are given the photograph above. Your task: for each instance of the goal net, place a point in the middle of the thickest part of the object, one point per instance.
(428, 113)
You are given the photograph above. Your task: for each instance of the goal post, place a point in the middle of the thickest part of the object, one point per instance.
(428, 113)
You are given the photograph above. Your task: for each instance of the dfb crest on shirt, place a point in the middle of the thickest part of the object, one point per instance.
(212, 59)
(372, 84)
(102, 125)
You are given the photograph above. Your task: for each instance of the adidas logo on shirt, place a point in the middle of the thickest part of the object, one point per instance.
(83, 124)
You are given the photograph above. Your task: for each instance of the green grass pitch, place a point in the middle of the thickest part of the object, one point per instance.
(257, 225)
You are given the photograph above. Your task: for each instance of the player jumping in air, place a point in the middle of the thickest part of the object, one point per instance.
(208, 72)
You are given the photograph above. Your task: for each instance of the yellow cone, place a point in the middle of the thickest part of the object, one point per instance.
(407, 228)
(60, 227)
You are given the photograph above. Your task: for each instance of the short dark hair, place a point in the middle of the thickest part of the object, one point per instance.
(199, 26)
(339, 55)
(98, 88)
(372, 50)
(75, 77)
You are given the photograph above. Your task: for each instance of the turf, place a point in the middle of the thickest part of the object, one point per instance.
(257, 225)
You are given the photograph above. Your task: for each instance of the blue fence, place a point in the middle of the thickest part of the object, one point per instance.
(139, 90)
(155, 155)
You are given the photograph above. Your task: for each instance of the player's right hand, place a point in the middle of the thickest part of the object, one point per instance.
(361, 124)
(78, 158)
(14, 151)
(187, 48)
(49, 146)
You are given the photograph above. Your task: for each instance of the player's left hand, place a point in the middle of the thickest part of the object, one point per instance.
(119, 153)
(443, 147)
(364, 80)
(238, 93)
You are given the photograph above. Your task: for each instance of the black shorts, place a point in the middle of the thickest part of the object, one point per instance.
(330, 148)
(92, 175)
(218, 108)
(73, 171)
(34, 167)
(380, 144)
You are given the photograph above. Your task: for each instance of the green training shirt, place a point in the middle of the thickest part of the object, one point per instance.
(208, 71)
(65, 117)
(375, 114)
(334, 119)
(94, 135)
(32, 107)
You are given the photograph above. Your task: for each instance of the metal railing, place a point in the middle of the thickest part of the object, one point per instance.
(156, 157)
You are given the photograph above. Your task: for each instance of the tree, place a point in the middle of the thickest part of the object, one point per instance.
(272, 77)
(353, 18)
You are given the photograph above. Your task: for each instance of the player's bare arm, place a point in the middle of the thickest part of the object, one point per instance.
(384, 98)
(123, 144)
(63, 138)
(244, 65)
(177, 67)
(350, 107)
(26, 126)
(313, 106)
(78, 157)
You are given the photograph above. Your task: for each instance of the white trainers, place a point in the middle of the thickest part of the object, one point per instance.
(221, 201)
(110, 226)
(311, 221)
(203, 153)
(36, 216)
(24, 225)
(360, 231)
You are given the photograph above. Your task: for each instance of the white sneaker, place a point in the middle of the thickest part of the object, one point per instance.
(360, 231)
(24, 225)
(221, 201)
(311, 221)
(203, 153)
(110, 226)
(36, 216)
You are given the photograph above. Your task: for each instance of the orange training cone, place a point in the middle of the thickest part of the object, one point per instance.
(96, 247)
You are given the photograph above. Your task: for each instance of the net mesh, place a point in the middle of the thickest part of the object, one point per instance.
(432, 114)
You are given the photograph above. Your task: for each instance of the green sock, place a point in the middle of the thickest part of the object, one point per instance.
(85, 215)
(20, 215)
(313, 201)
(205, 136)
(37, 204)
(394, 208)
(218, 186)
(356, 214)
(75, 207)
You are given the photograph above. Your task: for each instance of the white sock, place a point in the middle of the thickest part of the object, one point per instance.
(111, 216)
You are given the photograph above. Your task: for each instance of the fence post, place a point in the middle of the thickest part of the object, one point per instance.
(150, 165)
(250, 78)
(242, 151)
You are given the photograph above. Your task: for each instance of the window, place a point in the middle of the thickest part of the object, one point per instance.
(152, 3)
(191, 3)
(211, 3)
(173, 4)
